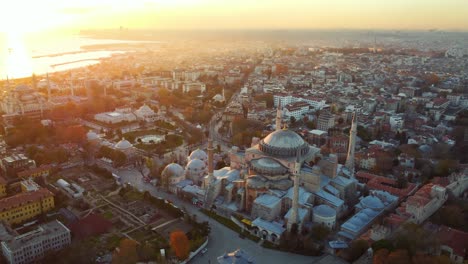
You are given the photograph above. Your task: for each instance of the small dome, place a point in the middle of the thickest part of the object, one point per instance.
(198, 154)
(172, 170)
(196, 165)
(268, 166)
(91, 135)
(27, 97)
(324, 210)
(123, 144)
(372, 202)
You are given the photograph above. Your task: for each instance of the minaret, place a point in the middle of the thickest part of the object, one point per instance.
(352, 145)
(48, 88)
(210, 159)
(7, 83)
(209, 184)
(279, 116)
(294, 217)
(71, 85)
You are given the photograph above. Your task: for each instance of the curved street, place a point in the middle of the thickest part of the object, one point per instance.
(222, 239)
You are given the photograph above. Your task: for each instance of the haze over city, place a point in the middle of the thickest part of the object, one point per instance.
(43, 15)
(221, 131)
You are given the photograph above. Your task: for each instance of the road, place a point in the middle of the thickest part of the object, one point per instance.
(222, 239)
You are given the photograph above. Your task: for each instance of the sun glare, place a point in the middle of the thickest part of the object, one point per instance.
(18, 60)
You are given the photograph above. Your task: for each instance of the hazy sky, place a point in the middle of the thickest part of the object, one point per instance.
(39, 15)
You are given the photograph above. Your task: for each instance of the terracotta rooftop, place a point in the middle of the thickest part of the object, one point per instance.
(422, 196)
(376, 182)
(3, 181)
(23, 198)
(453, 238)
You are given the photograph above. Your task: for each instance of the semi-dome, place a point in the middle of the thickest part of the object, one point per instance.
(91, 135)
(259, 182)
(284, 143)
(172, 170)
(123, 144)
(268, 166)
(22, 88)
(198, 154)
(372, 202)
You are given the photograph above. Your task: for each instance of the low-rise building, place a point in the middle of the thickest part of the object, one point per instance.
(118, 116)
(425, 202)
(3, 185)
(296, 110)
(42, 171)
(326, 121)
(26, 205)
(13, 164)
(33, 245)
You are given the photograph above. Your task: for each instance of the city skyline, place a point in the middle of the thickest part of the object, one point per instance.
(50, 15)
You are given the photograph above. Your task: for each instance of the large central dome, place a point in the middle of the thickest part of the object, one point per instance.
(284, 143)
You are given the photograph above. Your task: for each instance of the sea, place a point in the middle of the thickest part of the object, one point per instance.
(22, 56)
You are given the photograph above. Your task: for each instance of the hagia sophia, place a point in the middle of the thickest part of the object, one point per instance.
(279, 181)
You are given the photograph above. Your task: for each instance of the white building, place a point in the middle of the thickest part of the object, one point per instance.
(425, 202)
(296, 110)
(316, 103)
(146, 113)
(194, 86)
(396, 123)
(29, 247)
(118, 116)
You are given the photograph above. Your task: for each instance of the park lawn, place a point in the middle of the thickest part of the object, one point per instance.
(171, 142)
(131, 136)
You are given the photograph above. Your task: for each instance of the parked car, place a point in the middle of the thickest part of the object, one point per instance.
(204, 251)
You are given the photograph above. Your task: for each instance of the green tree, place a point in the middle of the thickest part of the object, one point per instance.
(319, 232)
(356, 249)
(292, 120)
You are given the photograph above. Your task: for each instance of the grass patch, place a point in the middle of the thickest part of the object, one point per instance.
(131, 136)
(112, 242)
(164, 124)
(223, 220)
(108, 215)
(139, 235)
(132, 195)
(171, 142)
(270, 245)
(250, 236)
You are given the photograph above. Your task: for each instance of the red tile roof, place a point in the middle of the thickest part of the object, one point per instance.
(24, 198)
(422, 196)
(456, 239)
(376, 182)
(3, 181)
